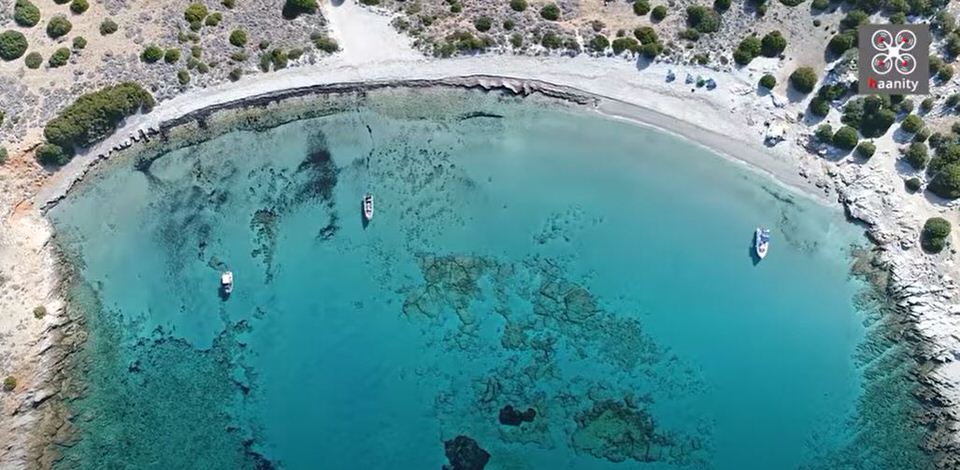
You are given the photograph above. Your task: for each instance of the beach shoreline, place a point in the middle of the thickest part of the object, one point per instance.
(731, 121)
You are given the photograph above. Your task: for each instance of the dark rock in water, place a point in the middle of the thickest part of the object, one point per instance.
(511, 417)
(464, 454)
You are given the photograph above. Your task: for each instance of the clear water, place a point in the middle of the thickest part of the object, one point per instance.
(597, 272)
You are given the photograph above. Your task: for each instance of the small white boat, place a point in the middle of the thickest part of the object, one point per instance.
(368, 207)
(226, 282)
(761, 242)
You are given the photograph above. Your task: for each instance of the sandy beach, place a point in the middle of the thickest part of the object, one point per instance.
(733, 119)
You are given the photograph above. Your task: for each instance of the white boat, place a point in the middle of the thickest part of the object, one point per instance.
(761, 242)
(226, 282)
(368, 207)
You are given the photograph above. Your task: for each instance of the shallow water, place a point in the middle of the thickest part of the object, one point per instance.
(521, 254)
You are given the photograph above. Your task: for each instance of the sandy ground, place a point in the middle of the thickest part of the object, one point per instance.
(732, 120)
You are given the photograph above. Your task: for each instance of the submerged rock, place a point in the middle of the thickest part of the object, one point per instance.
(512, 417)
(464, 454)
(616, 432)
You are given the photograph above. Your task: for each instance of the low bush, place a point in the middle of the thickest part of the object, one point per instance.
(819, 106)
(12, 45)
(933, 237)
(238, 38)
(772, 44)
(235, 74)
(912, 123)
(599, 43)
(846, 138)
(641, 7)
(747, 50)
(26, 14)
(768, 81)
(703, 19)
(58, 26)
(39, 312)
(151, 54)
(624, 44)
(9, 383)
(79, 6)
(721, 5)
(658, 13)
(95, 115)
(652, 50)
(841, 42)
(917, 156)
(183, 76)
(866, 149)
(326, 44)
(229, 4)
(824, 133)
(551, 40)
(803, 79)
(483, 24)
(171, 56)
(213, 19)
(33, 60)
(108, 27)
(646, 35)
(59, 58)
(550, 12)
(195, 13)
(79, 43)
(279, 59)
(913, 184)
(52, 155)
(518, 5)
(3, 155)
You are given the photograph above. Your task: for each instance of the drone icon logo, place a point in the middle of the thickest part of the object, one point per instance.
(893, 52)
(894, 59)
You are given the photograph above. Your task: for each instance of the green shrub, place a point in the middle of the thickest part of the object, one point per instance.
(12, 45)
(646, 35)
(196, 26)
(658, 13)
(238, 56)
(59, 57)
(841, 42)
(866, 149)
(773, 44)
(933, 237)
(264, 45)
(58, 26)
(824, 133)
(819, 106)
(238, 38)
(953, 44)
(922, 135)
(483, 24)
(917, 156)
(213, 19)
(803, 79)
(946, 182)
(33, 60)
(183, 76)
(79, 42)
(25, 13)
(518, 5)
(624, 44)
(551, 40)
(229, 4)
(820, 4)
(326, 44)
(913, 184)
(872, 115)
(641, 7)
(3, 155)
(516, 40)
(107, 27)
(9, 383)
(550, 12)
(599, 43)
(721, 5)
(151, 54)
(278, 58)
(79, 6)
(748, 49)
(195, 13)
(768, 81)
(370, 2)
(846, 138)
(39, 312)
(235, 74)
(196, 51)
(791, 3)
(912, 123)
(926, 105)
(95, 115)
(690, 34)
(703, 19)
(508, 24)
(52, 155)
(456, 7)
(854, 19)
(171, 56)
(651, 50)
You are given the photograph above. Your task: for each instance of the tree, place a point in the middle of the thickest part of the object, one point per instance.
(107, 27)
(49, 154)
(934, 235)
(518, 5)
(59, 57)
(866, 149)
(599, 43)
(641, 7)
(773, 44)
(819, 106)
(824, 133)
(846, 138)
(917, 156)
(658, 13)
(652, 50)
(625, 44)
(238, 38)
(58, 26)
(551, 40)
(26, 14)
(33, 60)
(79, 6)
(748, 49)
(912, 123)
(841, 42)
(703, 19)
(768, 81)
(195, 13)
(550, 12)
(151, 54)
(946, 182)
(803, 79)
(12, 45)
(95, 115)
(646, 35)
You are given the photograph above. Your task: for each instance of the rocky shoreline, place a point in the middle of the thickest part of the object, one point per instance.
(916, 285)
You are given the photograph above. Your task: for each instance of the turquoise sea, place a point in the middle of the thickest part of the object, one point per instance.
(523, 253)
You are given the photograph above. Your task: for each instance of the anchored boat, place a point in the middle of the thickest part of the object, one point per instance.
(368, 207)
(761, 242)
(226, 282)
